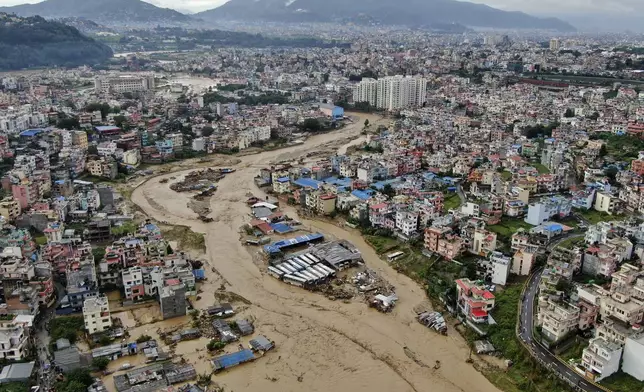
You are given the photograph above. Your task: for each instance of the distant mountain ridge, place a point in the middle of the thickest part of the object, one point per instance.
(115, 12)
(400, 12)
(36, 42)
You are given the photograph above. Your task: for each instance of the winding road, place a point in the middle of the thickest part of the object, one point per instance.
(536, 349)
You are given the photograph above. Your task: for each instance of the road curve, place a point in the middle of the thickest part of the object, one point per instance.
(538, 351)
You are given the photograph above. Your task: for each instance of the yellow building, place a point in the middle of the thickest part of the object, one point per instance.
(9, 209)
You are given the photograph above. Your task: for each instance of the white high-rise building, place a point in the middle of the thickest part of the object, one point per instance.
(555, 44)
(392, 92)
(366, 91)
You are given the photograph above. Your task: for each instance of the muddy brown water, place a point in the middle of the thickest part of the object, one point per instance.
(322, 345)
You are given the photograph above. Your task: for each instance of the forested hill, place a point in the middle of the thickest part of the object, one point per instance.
(35, 42)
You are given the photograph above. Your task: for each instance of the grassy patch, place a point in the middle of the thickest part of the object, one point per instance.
(66, 327)
(451, 202)
(571, 243)
(595, 217)
(507, 227)
(622, 382)
(506, 176)
(574, 351)
(14, 387)
(413, 264)
(40, 240)
(381, 244)
(186, 238)
(540, 168)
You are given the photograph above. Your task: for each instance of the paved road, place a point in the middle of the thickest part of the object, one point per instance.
(537, 350)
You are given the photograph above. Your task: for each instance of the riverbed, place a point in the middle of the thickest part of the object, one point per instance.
(322, 345)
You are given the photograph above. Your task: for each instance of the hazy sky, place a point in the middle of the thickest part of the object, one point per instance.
(551, 7)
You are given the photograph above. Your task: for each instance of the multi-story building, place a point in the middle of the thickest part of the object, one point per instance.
(366, 91)
(14, 338)
(555, 44)
(632, 196)
(9, 209)
(547, 208)
(606, 202)
(524, 259)
(601, 358)
(496, 268)
(474, 301)
(625, 301)
(483, 242)
(398, 92)
(133, 283)
(557, 319)
(407, 222)
(565, 262)
(589, 303)
(172, 299)
(633, 356)
(123, 84)
(96, 313)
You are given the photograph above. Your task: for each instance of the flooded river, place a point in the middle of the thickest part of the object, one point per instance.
(322, 345)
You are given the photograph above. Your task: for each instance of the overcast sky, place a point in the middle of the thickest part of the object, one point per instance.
(551, 7)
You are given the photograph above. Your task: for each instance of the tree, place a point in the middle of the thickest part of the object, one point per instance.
(92, 150)
(611, 173)
(143, 339)
(389, 190)
(168, 250)
(68, 123)
(120, 120)
(366, 123)
(207, 131)
(569, 113)
(102, 107)
(100, 363)
(98, 254)
(312, 125)
(603, 151)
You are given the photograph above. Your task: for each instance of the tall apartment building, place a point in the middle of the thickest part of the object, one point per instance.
(392, 92)
(123, 84)
(555, 44)
(366, 91)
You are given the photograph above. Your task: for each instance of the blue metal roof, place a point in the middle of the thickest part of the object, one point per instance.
(283, 179)
(229, 360)
(307, 183)
(32, 132)
(276, 247)
(362, 195)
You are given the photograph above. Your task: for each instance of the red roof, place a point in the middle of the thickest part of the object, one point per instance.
(172, 282)
(488, 295)
(479, 313)
(378, 206)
